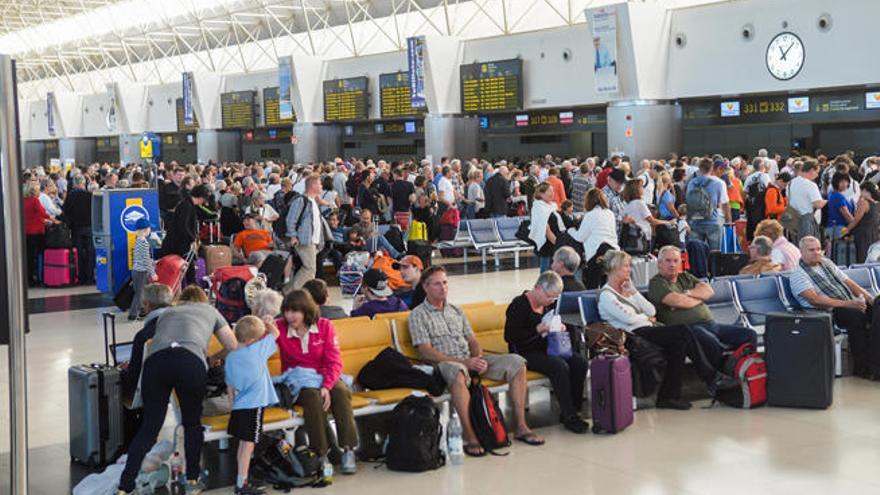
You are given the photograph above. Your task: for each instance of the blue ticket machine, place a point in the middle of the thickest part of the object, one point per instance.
(114, 214)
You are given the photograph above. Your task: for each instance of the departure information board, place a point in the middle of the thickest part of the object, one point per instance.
(346, 99)
(237, 109)
(181, 126)
(491, 86)
(272, 110)
(396, 97)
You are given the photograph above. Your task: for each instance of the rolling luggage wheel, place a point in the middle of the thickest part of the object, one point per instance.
(596, 429)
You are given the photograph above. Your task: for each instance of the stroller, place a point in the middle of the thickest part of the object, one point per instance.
(351, 273)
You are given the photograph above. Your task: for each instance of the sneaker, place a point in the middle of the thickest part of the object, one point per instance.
(194, 487)
(349, 462)
(249, 489)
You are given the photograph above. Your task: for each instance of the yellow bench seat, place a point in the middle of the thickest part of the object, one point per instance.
(221, 422)
(387, 396)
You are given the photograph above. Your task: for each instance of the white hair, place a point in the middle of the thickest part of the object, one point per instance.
(266, 303)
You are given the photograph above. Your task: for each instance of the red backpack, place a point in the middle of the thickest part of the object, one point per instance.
(750, 371)
(486, 419)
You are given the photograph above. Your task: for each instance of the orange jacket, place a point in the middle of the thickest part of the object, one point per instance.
(774, 202)
(558, 190)
(735, 192)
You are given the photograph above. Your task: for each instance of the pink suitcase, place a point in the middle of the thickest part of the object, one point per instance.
(59, 267)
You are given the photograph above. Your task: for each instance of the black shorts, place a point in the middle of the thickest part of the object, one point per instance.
(246, 424)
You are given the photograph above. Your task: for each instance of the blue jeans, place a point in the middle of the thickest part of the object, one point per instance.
(716, 338)
(544, 263)
(710, 233)
(380, 242)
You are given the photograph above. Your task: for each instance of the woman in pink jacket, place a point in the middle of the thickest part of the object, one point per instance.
(308, 341)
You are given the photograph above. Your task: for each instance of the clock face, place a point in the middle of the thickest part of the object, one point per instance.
(785, 56)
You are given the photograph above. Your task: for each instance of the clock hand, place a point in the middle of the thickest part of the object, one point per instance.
(787, 50)
(782, 52)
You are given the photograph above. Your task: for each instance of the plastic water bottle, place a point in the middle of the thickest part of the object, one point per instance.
(328, 473)
(176, 465)
(454, 442)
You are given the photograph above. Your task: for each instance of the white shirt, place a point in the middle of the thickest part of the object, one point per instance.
(639, 211)
(51, 208)
(772, 168)
(316, 222)
(763, 177)
(300, 186)
(618, 314)
(597, 226)
(445, 191)
(648, 192)
(802, 193)
(272, 189)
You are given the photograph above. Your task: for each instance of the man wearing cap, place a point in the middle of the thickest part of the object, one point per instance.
(377, 297)
(410, 268)
(707, 225)
(612, 190)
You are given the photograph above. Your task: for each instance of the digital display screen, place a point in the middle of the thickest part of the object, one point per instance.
(396, 97)
(522, 120)
(237, 109)
(346, 99)
(799, 104)
(272, 109)
(409, 127)
(872, 99)
(566, 118)
(273, 133)
(730, 109)
(181, 126)
(484, 122)
(491, 86)
(380, 128)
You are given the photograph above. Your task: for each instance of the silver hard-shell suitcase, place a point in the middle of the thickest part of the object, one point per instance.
(95, 409)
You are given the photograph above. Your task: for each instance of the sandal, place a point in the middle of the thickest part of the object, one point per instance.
(530, 438)
(474, 450)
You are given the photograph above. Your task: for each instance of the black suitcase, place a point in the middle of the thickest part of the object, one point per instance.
(800, 360)
(58, 236)
(422, 249)
(724, 264)
(97, 425)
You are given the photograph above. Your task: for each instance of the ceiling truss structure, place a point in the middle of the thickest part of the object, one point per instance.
(153, 41)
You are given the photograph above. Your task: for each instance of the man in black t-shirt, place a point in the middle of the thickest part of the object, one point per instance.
(403, 193)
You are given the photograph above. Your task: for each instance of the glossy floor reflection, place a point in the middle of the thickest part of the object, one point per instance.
(702, 451)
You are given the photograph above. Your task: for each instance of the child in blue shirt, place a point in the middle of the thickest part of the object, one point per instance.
(250, 390)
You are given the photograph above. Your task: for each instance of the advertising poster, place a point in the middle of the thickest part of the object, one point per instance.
(416, 59)
(188, 98)
(50, 112)
(603, 22)
(285, 105)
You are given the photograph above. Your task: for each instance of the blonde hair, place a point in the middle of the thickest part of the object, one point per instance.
(540, 190)
(249, 328)
(769, 228)
(192, 294)
(615, 259)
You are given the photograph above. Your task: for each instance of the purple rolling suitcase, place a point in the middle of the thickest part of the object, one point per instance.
(202, 273)
(611, 396)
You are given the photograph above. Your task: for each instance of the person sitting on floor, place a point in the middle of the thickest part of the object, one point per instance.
(681, 298)
(252, 238)
(759, 251)
(377, 297)
(443, 336)
(819, 283)
(525, 332)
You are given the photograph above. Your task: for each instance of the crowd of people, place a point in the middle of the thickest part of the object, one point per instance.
(587, 220)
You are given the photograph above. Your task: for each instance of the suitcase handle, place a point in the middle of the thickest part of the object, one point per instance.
(112, 318)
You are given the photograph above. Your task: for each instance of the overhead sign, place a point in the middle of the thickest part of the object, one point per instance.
(188, 114)
(50, 112)
(395, 96)
(872, 99)
(491, 86)
(272, 109)
(799, 104)
(730, 109)
(603, 23)
(285, 72)
(415, 51)
(346, 99)
(238, 109)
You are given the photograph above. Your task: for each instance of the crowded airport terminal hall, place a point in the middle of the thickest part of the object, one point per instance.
(439, 247)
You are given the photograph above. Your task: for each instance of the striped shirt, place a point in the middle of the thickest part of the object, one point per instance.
(143, 257)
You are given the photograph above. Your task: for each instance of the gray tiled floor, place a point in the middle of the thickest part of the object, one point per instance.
(702, 451)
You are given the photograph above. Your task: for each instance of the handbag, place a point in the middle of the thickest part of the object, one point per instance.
(603, 339)
(522, 232)
(633, 240)
(125, 296)
(418, 231)
(559, 345)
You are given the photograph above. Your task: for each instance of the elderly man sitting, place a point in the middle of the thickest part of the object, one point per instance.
(443, 336)
(818, 283)
(759, 251)
(680, 299)
(566, 261)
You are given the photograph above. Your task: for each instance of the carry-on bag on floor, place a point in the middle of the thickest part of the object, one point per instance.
(724, 264)
(170, 270)
(228, 284)
(800, 360)
(611, 394)
(95, 413)
(58, 236)
(216, 257)
(60, 267)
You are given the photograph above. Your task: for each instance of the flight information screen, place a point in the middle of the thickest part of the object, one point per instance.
(395, 96)
(346, 99)
(181, 126)
(491, 86)
(272, 110)
(237, 109)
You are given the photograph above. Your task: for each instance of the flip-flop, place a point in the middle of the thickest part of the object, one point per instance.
(474, 450)
(530, 439)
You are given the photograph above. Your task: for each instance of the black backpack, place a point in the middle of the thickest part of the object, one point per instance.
(756, 207)
(522, 232)
(414, 436)
(279, 227)
(58, 236)
(283, 466)
(487, 419)
(390, 369)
